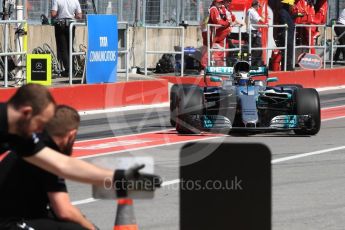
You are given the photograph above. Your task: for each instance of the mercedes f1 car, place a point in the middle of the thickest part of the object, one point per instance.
(244, 103)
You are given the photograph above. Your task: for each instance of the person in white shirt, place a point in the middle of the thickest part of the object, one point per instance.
(62, 12)
(254, 18)
(339, 31)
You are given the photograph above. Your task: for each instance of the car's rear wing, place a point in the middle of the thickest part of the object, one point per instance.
(219, 71)
(227, 71)
(259, 71)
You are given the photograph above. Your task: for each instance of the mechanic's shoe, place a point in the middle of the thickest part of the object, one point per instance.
(125, 219)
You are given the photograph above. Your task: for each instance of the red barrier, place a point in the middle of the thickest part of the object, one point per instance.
(315, 79)
(155, 92)
(5, 94)
(307, 78)
(81, 97)
(102, 96)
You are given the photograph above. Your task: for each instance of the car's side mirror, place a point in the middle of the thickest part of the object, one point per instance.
(272, 79)
(216, 79)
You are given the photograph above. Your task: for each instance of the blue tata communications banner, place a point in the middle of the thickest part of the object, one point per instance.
(102, 52)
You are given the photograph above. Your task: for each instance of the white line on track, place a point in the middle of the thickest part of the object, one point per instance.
(124, 109)
(332, 119)
(275, 161)
(86, 201)
(171, 182)
(330, 88)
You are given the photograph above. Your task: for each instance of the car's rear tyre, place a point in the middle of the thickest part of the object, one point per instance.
(189, 108)
(307, 102)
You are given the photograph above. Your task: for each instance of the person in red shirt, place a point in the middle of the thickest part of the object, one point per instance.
(231, 17)
(304, 9)
(217, 16)
(313, 20)
(203, 25)
(300, 11)
(321, 8)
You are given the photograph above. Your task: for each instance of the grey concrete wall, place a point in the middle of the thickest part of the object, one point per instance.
(38, 35)
(159, 40)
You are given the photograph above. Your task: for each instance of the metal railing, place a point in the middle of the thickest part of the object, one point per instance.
(267, 44)
(324, 47)
(223, 49)
(333, 45)
(5, 52)
(71, 52)
(122, 50)
(182, 38)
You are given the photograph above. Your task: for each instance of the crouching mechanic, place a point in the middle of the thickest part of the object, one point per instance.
(25, 114)
(42, 189)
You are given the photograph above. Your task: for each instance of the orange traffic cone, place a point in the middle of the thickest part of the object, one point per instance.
(125, 219)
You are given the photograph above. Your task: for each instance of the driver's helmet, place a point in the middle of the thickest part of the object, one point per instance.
(241, 69)
(241, 66)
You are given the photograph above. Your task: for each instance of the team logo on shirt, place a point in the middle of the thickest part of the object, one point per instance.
(35, 138)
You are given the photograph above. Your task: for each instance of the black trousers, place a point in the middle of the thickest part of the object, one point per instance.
(39, 224)
(290, 46)
(62, 44)
(339, 31)
(256, 43)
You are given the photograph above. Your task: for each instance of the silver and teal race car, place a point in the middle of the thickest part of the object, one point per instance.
(244, 103)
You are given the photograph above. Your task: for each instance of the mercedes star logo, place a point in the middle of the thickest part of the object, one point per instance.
(39, 65)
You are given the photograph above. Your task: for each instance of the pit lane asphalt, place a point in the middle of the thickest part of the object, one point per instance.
(308, 193)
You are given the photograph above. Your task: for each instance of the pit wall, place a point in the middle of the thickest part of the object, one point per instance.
(105, 96)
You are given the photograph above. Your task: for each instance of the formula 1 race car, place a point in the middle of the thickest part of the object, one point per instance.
(244, 103)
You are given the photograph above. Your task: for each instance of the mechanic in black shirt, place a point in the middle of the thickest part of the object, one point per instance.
(25, 114)
(42, 188)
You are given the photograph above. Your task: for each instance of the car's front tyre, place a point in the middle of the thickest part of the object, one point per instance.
(189, 108)
(307, 102)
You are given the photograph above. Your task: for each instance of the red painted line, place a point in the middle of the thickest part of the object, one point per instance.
(126, 143)
(128, 135)
(333, 112)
